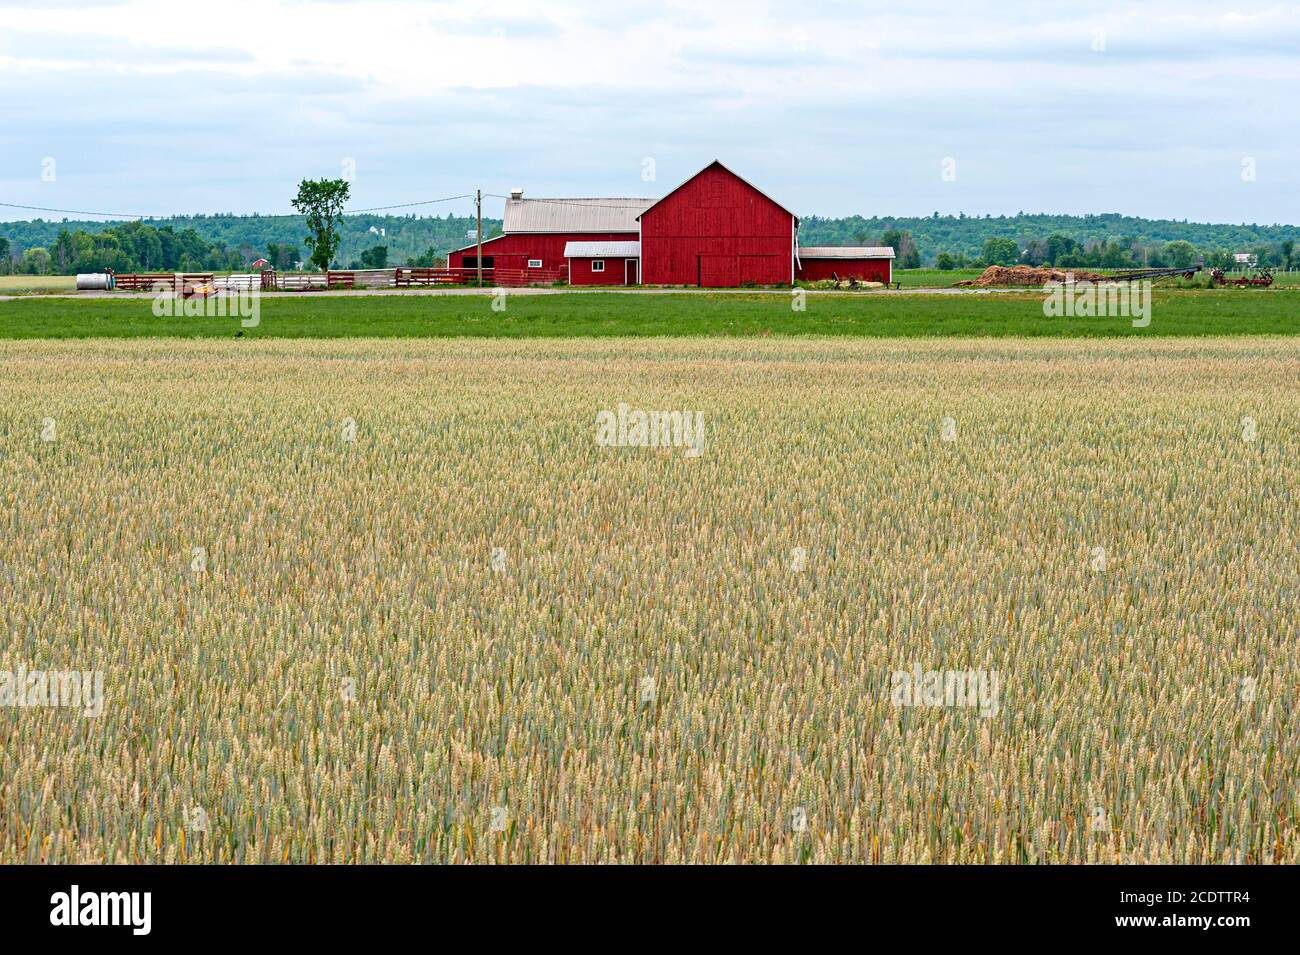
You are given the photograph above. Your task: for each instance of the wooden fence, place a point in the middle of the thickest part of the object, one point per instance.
(157, 281)
(294, 281)
(408, 277)
(269, 280)
(517, 278)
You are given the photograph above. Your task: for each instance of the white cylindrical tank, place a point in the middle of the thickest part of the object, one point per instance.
(94, 282)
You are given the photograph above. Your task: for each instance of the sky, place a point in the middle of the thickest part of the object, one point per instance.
(1181, 110)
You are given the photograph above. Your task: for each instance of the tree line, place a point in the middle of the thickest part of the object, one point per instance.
(136, 247)
(127, 247)
(1063, 251)
(228, 243)
(232, 243)
(1093, 241)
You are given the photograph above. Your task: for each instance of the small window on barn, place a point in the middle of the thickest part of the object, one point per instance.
(598, 265)
(534, 263)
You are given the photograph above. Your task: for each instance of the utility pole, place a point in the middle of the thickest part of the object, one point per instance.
(478, 232)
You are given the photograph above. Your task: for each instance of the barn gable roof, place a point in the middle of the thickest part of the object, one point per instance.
(573, 215)
(726, 170)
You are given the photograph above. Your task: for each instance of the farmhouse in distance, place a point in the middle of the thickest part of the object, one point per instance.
(715, 230)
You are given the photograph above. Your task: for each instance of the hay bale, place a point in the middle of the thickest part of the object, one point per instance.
(1026, 275)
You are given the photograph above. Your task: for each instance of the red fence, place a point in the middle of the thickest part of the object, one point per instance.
(509, 278)
(516, 278)
(154, 281)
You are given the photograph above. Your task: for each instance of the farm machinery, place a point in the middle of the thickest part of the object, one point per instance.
(1137, 275)
(1262, 277)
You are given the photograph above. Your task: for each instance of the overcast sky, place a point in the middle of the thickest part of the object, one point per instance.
(1164, 109)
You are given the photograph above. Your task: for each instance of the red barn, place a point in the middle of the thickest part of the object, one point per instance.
(717, 230)
(713, 231)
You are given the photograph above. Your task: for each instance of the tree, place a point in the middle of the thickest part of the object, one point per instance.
(909, 256)
(1219, 259)
(1035, 251)
(1180, 254)
(1061, 249)
(322, 201)
(1264, 256)
(4, 256)
(945, 262)
(1288, 249)
(906, 254)
(375, 258)
(140, 244)
(64, 252)
(428, 259)
(1001, 251)
(1114, 255)
(35, 262)
(280, 255)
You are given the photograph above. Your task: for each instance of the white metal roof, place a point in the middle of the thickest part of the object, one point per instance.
(573, 215)
(846, 252)
(602, 250)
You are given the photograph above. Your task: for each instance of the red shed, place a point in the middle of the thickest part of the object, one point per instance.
(717, 230)
(869, 263)
(603, 263)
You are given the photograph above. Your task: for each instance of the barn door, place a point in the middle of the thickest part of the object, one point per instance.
(719, 271)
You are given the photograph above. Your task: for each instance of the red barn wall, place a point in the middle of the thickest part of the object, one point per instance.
(514, 250)
(580, 272)
(871, 270)
(717, 230)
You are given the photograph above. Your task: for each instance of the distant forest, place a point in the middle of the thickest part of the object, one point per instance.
(232, 243)
(225, 243)
(1104, 241)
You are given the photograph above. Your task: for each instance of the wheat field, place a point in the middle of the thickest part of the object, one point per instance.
(367, 601)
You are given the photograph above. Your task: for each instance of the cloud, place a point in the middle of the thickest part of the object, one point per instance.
(833, 108)
(500, 27)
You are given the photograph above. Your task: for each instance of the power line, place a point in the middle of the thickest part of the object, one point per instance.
(407, 205)
(131, 215)
(81, 212)
(399, 205)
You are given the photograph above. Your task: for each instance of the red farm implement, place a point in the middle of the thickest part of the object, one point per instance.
(1262, 278)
